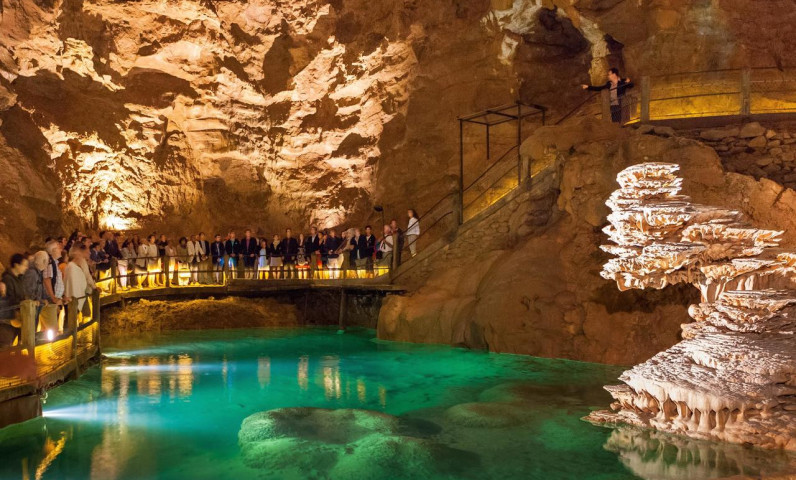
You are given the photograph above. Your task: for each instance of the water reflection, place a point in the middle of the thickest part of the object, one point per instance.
(148, 412)
(654, 455)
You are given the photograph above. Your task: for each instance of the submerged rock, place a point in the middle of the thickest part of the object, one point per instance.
(340, 444)
(486, 415)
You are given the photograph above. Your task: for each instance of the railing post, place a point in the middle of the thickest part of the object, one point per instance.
(746, 92)
(27, 336)
(645, 99)
(114, 274)
(95, 305)
(395, 252)
(166, 260)
(605, 105)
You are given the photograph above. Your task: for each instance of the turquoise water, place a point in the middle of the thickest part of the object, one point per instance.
(170, 406)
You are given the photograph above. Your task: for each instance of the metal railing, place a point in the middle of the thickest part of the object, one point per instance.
(68, 338)
(186, 271)
(742, 92)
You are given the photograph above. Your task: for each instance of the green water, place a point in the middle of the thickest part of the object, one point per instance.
(171, 406)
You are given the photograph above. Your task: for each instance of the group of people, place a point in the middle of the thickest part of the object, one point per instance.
(73, 267)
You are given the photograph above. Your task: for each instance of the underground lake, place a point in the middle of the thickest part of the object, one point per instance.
(189, 405)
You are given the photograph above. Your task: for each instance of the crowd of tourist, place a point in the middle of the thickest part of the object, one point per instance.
(71, 268)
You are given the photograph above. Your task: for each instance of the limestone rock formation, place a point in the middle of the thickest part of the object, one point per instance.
(336, 444)
(733, 377)
(152, 114)
(147, 114)
(526, 279)
(230, 312)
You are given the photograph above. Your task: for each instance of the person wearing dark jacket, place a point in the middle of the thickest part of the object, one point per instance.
(312, 248)
(248, 250)
(232, 249)
(274, 252)
(111, 245)
(332, 246)
(15, 290)
(217, 252)
(290, 249)
(367, 247)
(617, 87)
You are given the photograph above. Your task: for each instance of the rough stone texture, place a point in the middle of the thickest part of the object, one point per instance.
(151, 114)
(230, 312)
(147, 114)
(733, 377)
(762, 151)
(536, 289)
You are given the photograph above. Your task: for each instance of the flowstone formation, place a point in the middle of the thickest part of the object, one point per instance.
(733, 377)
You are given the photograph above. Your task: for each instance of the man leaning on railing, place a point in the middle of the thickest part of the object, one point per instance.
(617, 87)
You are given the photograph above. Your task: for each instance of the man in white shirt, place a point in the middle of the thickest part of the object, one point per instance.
(53, 288)
(75, 284)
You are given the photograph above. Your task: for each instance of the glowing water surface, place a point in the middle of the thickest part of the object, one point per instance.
(170, 406)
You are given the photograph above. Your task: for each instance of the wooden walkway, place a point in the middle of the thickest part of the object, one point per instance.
(253, 288)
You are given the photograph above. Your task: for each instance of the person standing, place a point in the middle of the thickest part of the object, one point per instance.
(12, 277)
(54, 288)
(123, 264)
(354, 255)
(386, 248)
(617, 87)
(195, 253)
(312, 248)
(248, 250)
(412, 231)
(33, 283)
(332, 245)
(367, 248)
(102, 265)
(290, 248)
(217, 252)
(302, 263)
(399, 246)
(75, 284)
(182, 263)
(204, 259)
(262, 260)
(232, 249)
(275, 257)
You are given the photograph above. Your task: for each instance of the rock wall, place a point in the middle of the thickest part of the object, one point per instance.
(150, 114)
(762, 151)
(291, 309)
(536, 288)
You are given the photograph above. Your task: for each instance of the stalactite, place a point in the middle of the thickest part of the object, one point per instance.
(733, 377)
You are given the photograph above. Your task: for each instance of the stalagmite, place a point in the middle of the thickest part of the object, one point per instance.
(733, 377)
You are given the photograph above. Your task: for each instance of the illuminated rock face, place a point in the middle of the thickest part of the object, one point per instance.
(733, 377)
(152, 114)
(147, 114)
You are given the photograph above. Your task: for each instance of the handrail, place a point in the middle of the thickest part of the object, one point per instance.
(490, 186)
(577, 108)
(450, 194)
(500, 159)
